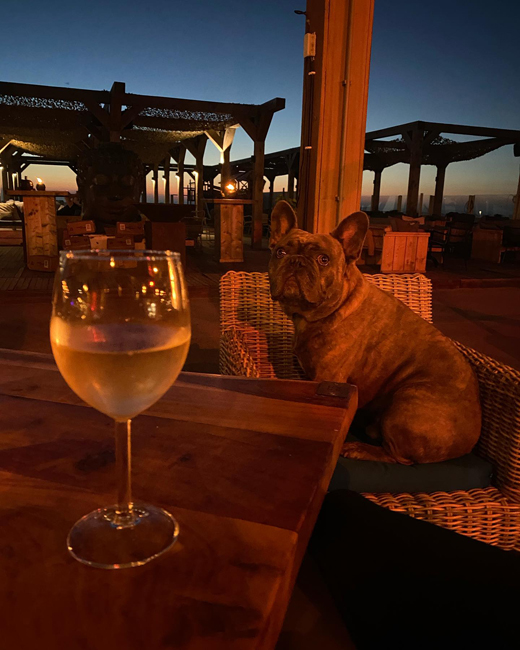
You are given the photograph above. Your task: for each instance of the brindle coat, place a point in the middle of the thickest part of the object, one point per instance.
(419, 393)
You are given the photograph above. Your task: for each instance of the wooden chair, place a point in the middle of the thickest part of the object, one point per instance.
(256, 341)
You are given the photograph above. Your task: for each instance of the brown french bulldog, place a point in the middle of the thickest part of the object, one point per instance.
(417, 393)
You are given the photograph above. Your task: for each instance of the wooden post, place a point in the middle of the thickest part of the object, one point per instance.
(376, 195)
(258, 194)
(117, 93)
(335, 93)
(167, 179)
(180, 173)
(415, 146)
(431, 204)
(271, 192)
(155, 183)
(516, 205)
(439, 189)
(144, 193)
(225, 170)
(196, 146)
(257, 130)
(421, 200)
(470, 208)
(290, 184)
(399, 205)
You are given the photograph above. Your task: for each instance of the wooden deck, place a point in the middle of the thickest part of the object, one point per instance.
(15, 276)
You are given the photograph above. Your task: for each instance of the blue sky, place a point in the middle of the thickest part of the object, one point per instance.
(442, 61)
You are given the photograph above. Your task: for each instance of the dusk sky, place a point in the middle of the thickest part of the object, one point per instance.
(448, 61)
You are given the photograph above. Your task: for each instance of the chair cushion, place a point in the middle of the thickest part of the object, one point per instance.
(463, 473)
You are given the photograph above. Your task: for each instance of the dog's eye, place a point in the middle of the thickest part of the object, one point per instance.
(280, 252)
(323, 259)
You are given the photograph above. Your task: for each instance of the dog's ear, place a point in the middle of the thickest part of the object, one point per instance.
(283, 219)
(351, 233)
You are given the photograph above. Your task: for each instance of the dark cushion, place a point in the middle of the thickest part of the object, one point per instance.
(463, 473)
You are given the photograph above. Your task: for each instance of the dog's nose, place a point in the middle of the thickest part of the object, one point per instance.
(296, 261)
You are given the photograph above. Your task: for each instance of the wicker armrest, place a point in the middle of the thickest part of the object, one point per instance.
(234, 356)
(500, 438)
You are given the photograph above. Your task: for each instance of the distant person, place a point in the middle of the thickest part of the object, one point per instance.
(71, 208)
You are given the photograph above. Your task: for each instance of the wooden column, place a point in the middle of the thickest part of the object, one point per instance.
(196, 146)
(439, 190)
(377, 190)
(167, 179)
(144, 197)
(156, 183)
(223, 139)
(420, 207)
(415, 146)
(271, 192)
(431, 204)
(290, 183)
(225, 170)
(399, 205)
(516, 205)
(180, 173)
(335, 93)
(117, 93)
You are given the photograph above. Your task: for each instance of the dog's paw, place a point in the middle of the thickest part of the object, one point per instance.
(354, 450)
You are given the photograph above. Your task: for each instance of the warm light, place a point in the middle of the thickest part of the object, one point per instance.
(221, 157)
(112, 262)
(155, 269)
(230, 186)
(39, 180)
(85, 288)
(151, 283)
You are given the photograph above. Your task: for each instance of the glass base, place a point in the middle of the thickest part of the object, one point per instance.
(108, 540)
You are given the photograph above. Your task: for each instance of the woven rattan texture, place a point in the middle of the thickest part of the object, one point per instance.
(256, 341)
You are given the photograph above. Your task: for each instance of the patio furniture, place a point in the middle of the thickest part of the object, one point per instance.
(243, 465)
(492, 241)
(256, 341)
(229, 229)
(453, 239)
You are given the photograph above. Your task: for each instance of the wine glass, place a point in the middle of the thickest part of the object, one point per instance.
(120, 332)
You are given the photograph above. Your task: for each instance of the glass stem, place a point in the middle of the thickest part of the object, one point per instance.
(125, 506)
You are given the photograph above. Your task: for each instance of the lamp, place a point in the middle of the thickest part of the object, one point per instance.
(230, 188)
(40, 185)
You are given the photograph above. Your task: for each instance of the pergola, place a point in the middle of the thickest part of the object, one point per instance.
(380, 153)
(46, 123)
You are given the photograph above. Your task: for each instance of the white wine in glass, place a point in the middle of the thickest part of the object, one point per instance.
(120, 333)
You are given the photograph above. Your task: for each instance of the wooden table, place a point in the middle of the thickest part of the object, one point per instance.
(243, 464)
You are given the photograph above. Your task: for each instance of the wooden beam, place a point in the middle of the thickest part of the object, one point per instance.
(180, 172)
(439, 190)
(440, 127)
(335, 97)
(54, 92)
(377, 190)
(415, 172)
(258, 194)
(196, 146)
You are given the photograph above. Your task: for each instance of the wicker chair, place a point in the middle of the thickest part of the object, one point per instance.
(256, 341)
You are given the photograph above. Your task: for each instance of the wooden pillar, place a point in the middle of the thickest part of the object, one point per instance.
(225, 170)
(155, 183)
(290, 184)
(180, 173)
(399, 205)
(431, 204)
(5, 183)
(421, 201)
(516, 205)
(377, 190)
(196, 146)
(271, 192)
(144, 198)
(470, 207)
(117, 94)
(258, 193)
(335, 93)
(439, 190)
(415, 146)
(167, 179)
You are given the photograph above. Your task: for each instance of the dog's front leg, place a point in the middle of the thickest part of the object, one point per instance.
(364, 451)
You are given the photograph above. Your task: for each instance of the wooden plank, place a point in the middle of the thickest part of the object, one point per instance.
(229, 232)
(422, 254)
(410, 254)
(399, 254)
(387, 256)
